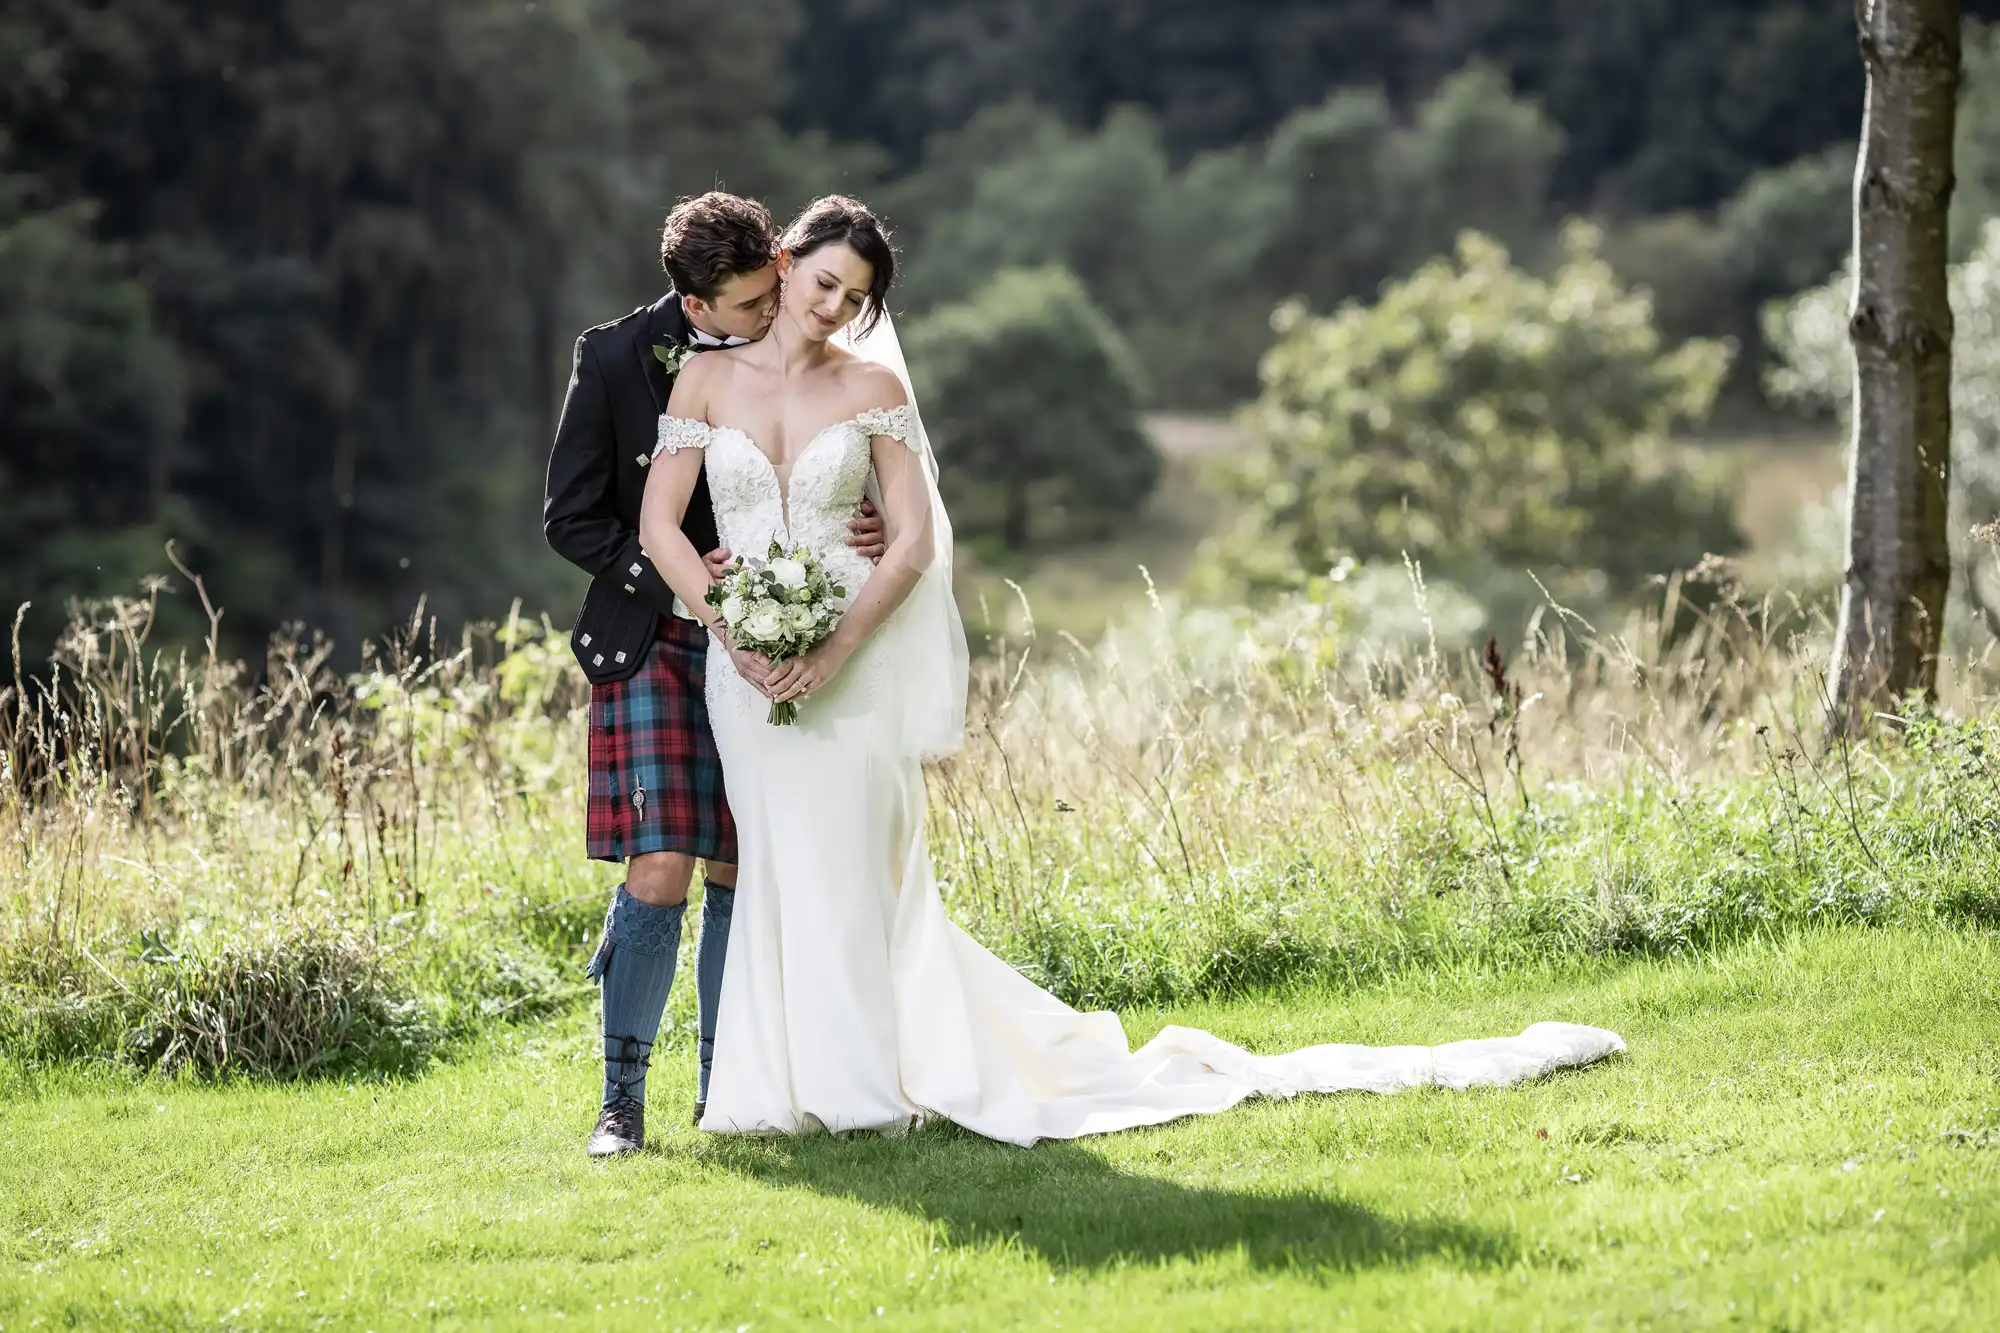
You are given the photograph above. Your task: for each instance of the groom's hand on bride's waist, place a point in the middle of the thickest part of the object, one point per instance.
(867, 533)
(718, 563)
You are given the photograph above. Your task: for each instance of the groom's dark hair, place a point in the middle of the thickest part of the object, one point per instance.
(713, 237)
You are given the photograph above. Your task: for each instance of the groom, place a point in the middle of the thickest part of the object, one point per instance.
(655, 798)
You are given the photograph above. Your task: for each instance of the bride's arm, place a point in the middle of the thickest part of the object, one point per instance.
(676, 467)
(906, 509)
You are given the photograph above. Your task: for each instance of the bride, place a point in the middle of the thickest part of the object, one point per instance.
(850, 1000)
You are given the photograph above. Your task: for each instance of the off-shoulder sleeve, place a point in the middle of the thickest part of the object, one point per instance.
(898, 422)
(678, 433)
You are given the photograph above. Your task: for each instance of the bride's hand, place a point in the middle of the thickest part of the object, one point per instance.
(795, 679)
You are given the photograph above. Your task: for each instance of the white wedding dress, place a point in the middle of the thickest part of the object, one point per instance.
(850, 1000)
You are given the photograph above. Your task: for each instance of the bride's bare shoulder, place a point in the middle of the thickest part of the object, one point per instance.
(870, 384)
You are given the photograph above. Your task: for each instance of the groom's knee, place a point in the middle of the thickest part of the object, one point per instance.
(659, 878)
(722, 874)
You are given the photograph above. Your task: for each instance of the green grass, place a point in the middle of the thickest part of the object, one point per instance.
(1805, 1135)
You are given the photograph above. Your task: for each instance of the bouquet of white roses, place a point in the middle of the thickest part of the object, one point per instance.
(782, 606)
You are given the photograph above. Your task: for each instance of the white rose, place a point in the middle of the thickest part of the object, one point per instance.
(801, 617)
(732, 610)
(789, 573)
(765, 623)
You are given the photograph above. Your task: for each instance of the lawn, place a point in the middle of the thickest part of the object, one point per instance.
(1806, 1134)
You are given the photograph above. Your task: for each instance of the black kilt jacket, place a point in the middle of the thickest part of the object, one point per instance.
(597, 474)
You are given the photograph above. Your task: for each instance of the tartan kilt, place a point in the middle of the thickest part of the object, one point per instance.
(655, 774)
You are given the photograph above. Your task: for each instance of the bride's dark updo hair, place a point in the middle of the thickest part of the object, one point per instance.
(836, 219)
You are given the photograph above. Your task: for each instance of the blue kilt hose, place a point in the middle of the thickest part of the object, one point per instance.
(655, 775)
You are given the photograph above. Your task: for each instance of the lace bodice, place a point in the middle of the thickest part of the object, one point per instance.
(813, 509)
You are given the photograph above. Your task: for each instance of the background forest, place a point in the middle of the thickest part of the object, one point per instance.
(294, 285)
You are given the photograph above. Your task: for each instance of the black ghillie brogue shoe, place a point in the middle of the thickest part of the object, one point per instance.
(620, 1129)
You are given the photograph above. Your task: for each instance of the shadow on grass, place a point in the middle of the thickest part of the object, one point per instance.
(1077, 1211)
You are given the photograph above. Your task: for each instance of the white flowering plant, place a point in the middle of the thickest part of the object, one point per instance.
(782, 607)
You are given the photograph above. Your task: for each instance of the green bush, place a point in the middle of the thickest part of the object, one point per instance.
(1032, 400)
(287, 1003)
(1481, 417)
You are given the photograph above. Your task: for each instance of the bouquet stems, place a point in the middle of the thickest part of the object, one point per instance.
(782, 714)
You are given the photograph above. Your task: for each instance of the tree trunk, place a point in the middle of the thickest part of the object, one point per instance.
(1898, 552)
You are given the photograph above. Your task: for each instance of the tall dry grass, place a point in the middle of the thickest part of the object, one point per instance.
(170, 818)
(1204, 801)
(1213, 799)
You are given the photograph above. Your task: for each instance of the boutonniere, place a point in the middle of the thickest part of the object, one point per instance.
(673, 358)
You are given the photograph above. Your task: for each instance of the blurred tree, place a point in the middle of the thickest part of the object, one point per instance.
(88, 388)
(1336, 230)
(1084, 201)
(896, 72)
(345, 219)
(1169, 257)
(1480, 417)
(358, 238)
(1477, 158)
(1032, 397)
(1684, 263)
(1790, 227)
(1668, 105)
(1364, 199)
(1189, 262)
(1664, 105)
(706, 87)
(1784, 231)
(1898, 549)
